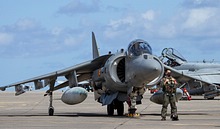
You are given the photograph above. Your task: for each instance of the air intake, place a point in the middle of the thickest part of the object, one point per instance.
(121, 70)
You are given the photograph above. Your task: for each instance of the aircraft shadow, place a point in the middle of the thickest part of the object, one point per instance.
(158, 114)
(68, 114)
(192, 99)
(22, 115)
(201, 99)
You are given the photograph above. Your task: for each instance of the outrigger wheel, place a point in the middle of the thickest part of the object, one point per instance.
(51, 111)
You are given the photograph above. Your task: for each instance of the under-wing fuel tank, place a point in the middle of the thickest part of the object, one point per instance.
(157, 97)
(74, 95)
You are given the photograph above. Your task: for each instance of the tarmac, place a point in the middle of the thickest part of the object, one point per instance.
(30, 111)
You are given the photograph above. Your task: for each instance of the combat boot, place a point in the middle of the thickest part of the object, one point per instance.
(163, 119)
(174, 118)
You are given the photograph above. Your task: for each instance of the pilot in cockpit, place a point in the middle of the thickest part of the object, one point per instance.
(139, 47)
(171, 63)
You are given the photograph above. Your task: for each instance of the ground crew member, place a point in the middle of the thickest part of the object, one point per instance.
(169, 85)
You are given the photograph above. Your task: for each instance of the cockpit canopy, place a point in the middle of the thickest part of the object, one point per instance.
(138, 47)
(174, 58)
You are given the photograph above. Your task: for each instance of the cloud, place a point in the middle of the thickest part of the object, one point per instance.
(136, 23)
(78, 7)
(196, 23)
(194, 19)
(192, 4)
(148, 15)
(168, 31)
(26, 24)
(201, 19)
(115, 9)
(198, 17)
(27, 38)
(5, 38)
(117, 24)
(56, 31)
(197, 27)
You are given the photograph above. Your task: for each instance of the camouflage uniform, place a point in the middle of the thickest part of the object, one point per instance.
(169, 85)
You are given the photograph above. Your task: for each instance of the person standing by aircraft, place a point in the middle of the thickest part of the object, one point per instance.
(169, 85)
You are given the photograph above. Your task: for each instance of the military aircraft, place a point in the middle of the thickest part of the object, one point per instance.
(116, 78)
(206, 71)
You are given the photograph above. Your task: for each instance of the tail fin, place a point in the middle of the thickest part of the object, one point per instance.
(94, 47)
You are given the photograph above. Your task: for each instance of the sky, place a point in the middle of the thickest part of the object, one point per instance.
(42, 36)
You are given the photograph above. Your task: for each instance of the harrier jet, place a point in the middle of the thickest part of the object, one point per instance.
(116, 78)
(207, 72)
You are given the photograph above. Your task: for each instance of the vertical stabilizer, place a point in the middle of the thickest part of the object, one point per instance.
(94, 47)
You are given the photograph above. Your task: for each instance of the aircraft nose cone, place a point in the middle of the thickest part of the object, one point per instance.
(153, 69)
(147, 69)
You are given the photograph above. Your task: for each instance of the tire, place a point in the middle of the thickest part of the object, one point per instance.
(212, 98)
(120, 108)
(110, 109)
(51, 111)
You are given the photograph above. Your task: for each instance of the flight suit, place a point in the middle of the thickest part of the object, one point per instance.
(169, 86)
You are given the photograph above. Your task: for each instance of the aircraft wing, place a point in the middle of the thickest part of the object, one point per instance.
(83, 72)
(183, 77)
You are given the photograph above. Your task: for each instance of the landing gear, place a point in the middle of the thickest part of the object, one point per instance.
(133, 98)
(132, 104)
(120, 108)
(51, 108)
(132, 108)
(110, 109)
(50, 93)
(51, 111)
(118, 105)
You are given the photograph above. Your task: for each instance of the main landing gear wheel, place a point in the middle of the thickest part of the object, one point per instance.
(110, 109)
(120, 108)
(119, 105)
